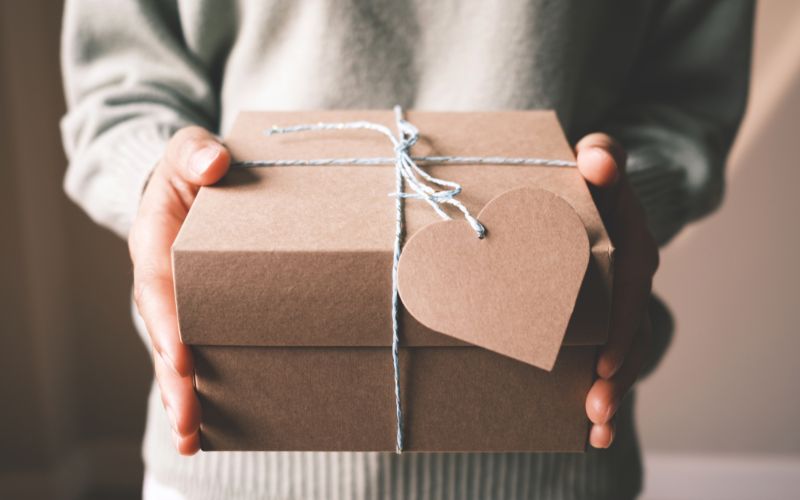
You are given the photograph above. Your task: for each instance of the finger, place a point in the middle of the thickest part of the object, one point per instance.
(637, 260)
(605, 396)
(187, 445)
(197, 157)
(602, 435)
(630, 298)
(179, 399)
(600, 159)
(154, 294)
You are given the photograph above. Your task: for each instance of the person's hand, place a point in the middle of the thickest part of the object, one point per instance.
(193, 158)
(601, 162)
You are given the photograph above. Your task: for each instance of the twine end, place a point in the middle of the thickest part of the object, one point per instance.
(479, 228)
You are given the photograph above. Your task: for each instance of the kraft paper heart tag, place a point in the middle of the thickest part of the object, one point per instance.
(512, 292)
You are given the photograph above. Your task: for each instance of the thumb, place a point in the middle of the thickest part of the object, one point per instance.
(600, 159)
(195, 155)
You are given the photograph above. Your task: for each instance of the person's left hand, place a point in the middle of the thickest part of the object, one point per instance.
(601, 161)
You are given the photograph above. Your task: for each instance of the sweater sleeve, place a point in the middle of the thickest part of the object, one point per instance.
(686, 97)
(129, 84)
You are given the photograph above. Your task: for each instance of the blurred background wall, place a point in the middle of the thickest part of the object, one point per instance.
(719, 416)
(73, 373)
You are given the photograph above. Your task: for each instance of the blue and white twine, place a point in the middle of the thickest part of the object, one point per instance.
(408, 171)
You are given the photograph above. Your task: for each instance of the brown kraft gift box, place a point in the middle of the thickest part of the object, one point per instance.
(283, 279)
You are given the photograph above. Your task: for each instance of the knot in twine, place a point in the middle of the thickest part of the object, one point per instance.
(436, 192)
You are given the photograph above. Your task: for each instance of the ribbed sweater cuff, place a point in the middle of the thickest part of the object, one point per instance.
(113, 174)
(662, 190)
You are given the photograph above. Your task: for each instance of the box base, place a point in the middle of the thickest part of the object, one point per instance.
(455, 399)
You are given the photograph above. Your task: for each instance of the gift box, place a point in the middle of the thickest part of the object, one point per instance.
(284, 287)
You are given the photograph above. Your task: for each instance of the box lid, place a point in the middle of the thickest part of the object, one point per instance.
(302, 255)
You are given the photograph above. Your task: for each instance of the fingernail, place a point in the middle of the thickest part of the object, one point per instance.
(594, 151)
(201, 160)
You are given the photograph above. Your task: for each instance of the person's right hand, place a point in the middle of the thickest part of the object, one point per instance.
(193, 158)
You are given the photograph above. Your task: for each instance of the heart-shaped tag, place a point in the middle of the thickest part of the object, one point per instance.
(512, 292)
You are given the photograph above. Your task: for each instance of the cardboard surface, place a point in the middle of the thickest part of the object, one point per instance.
(340, 399)
(295, 239)
(512, 292)
(283, 289)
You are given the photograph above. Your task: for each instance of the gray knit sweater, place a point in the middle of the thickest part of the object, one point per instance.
(667, 78)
